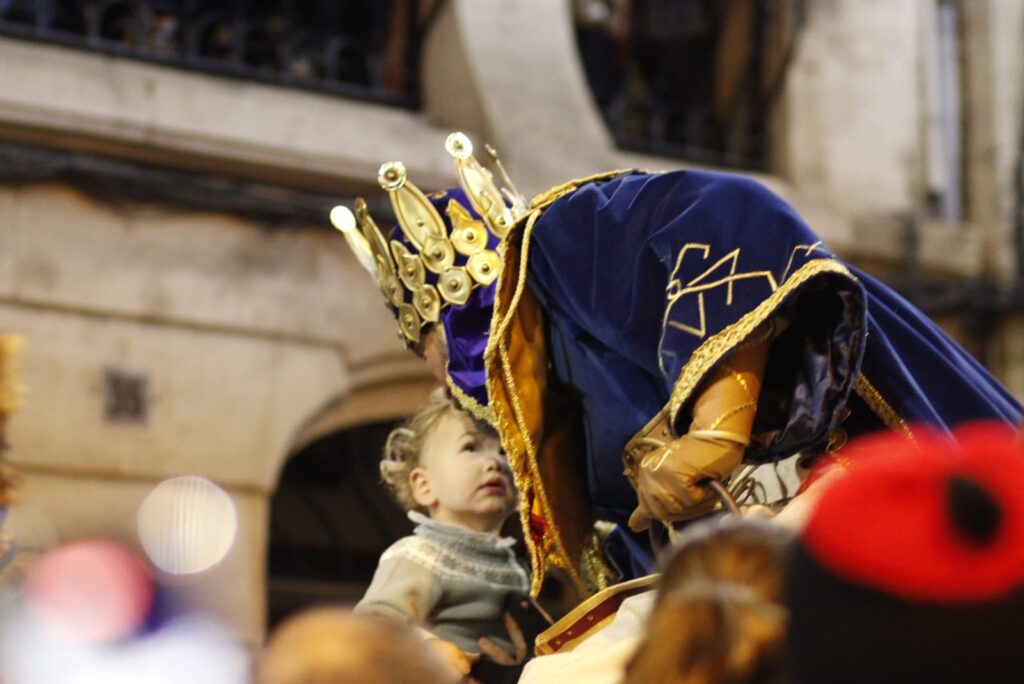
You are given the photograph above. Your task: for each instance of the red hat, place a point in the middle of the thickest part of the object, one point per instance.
(912, 564)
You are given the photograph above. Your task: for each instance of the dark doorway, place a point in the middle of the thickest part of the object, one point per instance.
(330, 519)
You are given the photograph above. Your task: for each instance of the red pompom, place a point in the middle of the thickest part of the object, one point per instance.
(939, 518)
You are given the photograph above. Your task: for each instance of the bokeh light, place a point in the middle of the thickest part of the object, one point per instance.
(187, 525)
(89, 591)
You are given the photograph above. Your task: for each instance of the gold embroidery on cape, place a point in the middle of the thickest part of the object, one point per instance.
(715, 348)
(10, 398)
(676, 290)
(881, 408)
(475, 408)
(807, 254)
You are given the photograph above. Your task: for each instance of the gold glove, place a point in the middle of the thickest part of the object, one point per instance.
(670, 479)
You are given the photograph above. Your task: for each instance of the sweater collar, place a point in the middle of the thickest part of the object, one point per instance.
(458, 536)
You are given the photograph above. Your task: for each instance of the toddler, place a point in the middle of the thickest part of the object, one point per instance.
(455, 575)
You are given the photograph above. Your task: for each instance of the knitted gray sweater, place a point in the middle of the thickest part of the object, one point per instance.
(450, 580)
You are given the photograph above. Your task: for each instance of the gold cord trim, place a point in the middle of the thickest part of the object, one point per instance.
(740, 380)
(720, 436)
(545, 198)
(558, 553)
(769, 331)
(593, 567)
(881, 408)
(716, 347)
(523, 459)
(739, 408)
(468, 403)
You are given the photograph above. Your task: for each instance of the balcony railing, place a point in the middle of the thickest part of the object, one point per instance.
(696, 79)
(354, 48)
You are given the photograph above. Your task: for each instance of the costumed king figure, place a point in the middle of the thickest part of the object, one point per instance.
(633, 336)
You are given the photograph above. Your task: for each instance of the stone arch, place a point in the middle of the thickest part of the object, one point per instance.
(328, 516)
(368, 403)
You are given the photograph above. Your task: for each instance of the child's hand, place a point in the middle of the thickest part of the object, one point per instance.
(497, 654)
(457, 662)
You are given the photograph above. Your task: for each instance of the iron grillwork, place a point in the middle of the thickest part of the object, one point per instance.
(355, 49)
(696, 79)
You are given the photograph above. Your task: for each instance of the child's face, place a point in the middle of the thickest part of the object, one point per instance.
(463, 478)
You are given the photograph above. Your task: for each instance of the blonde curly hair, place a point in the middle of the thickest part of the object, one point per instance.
(404, 444)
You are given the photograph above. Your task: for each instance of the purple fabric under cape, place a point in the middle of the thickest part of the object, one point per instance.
(467, 326)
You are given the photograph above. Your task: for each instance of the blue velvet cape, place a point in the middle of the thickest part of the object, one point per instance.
(649, 281)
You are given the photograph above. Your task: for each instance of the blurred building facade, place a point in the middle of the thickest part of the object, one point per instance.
(166, 169)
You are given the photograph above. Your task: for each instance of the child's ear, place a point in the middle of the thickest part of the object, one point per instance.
(422, 493)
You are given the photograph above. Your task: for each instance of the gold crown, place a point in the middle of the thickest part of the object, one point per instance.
(400, 270)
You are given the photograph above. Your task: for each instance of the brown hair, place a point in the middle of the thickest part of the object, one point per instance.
(716, 616)
(404, 444)
(327, 645)
(744, 551)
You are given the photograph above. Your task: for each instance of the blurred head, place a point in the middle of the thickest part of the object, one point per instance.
(716, 616)
(743, 551)
(711, 633)
(331, 645)
(444, 464)
(911, 567)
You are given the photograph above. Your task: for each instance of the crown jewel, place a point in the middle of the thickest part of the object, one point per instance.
(439, 263)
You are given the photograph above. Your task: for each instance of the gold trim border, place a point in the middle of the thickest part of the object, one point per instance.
(577, 613)
(471, 405)
(881, 408)
(525, 469)
(546, 198)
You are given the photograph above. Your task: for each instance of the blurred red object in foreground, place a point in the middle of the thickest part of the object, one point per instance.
(90, 591)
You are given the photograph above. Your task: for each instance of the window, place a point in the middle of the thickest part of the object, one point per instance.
(689, 78)
(366, 50)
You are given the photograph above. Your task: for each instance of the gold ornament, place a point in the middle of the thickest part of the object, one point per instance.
(437, 254)
(478, 183)
(409, 323)
(484, 267)
(468, 234)
(401, 270)
(410, 267)
(455, 285)
(427, 303)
